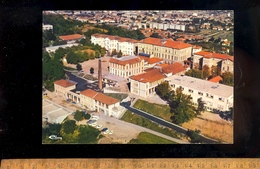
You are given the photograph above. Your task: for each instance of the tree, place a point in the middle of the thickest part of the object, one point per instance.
(163, 90)
(215, 71)
(91, 70)
(72, 58)
(86, 116)
(155, 35)
(181, 107)
(119, 55)
(194, 136)
(113, 52)
(78, 115)
(228, 78)
(201, 106)
(79, 67)
(205, 71)
(69, 126)
(88, 135)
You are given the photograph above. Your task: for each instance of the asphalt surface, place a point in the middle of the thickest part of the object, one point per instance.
(162, 122)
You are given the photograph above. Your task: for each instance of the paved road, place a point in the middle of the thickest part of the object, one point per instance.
(168, 124)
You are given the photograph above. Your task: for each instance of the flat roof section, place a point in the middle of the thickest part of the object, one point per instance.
(202, 85)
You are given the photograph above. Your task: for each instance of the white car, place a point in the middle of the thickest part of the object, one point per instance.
(111, 132)
(99, 126)
(94, 118)
(106, 132)
(94, 124)
(54, 137)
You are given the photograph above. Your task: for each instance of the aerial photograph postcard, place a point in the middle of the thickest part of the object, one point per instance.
(137, 76)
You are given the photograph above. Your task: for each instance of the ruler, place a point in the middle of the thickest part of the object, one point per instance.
(143, 163)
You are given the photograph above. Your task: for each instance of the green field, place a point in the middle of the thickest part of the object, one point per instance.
(162, 111)
(141, 121)
(147, 138)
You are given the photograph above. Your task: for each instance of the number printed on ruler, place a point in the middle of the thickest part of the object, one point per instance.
(156, 163)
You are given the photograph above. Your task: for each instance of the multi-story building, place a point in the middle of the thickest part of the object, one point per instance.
(166, 49)
(125, 45)
(216, 96)
(61, 87)
(224, 62)
(144, 84)
(126, 66)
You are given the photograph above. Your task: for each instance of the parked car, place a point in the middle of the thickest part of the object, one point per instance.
(93, 124)
(104, 129)
(68, 100)
(106, 132)
(54, 137)
(73, 102)
(111, 132)
(94, 117)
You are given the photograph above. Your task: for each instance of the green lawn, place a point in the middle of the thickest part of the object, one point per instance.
(119, 96)
(148, 138)
(162, 111)
(141, 121)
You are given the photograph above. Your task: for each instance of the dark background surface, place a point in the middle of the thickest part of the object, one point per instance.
(20, 82)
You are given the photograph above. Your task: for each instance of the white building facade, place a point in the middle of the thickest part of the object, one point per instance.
(216, 96)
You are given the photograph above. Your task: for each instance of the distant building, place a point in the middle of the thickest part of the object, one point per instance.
(52, 49)
(224, 62)
(71, 38)
(126, 66)
(166, 49)
(216, 96)
(47, 27)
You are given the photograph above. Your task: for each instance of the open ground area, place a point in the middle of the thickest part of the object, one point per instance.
(213, 126)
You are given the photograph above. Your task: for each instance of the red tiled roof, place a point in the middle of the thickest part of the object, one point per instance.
(214, 55)
(105, 99)
(125, 62)
(216, 79)
(90, 93)
(168, 43)
(162, 65)
(64, 83)
(173, 68)
(150, 76)
(71, 37)
(99, 97)
(154, 60)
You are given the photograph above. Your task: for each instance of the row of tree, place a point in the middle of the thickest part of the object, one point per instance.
(181, 104)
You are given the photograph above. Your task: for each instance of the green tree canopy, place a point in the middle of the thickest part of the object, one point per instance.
(88, 135)
(201, 106)
(163, 90)
(79, 67)
(78, 115)
(181, 107)
(91, 70)
(228, 78)
(155, 35)
(69, 126)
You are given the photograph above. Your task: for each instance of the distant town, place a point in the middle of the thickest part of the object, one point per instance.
(138, 77)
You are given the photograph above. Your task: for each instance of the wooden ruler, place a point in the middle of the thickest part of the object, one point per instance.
(143, 163)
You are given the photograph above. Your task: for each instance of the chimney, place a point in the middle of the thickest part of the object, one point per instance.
(99, 75)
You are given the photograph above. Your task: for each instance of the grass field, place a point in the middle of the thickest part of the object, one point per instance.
(162, 111)
(147, 138)
(141, 121)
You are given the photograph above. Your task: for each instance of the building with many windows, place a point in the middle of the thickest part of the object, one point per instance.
(224, 62)
(166, 49)
(216, 96)
(144, 84)
(125, 45)
(126, 66)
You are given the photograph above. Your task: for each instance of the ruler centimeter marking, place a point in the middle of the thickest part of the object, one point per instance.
(131, 163)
